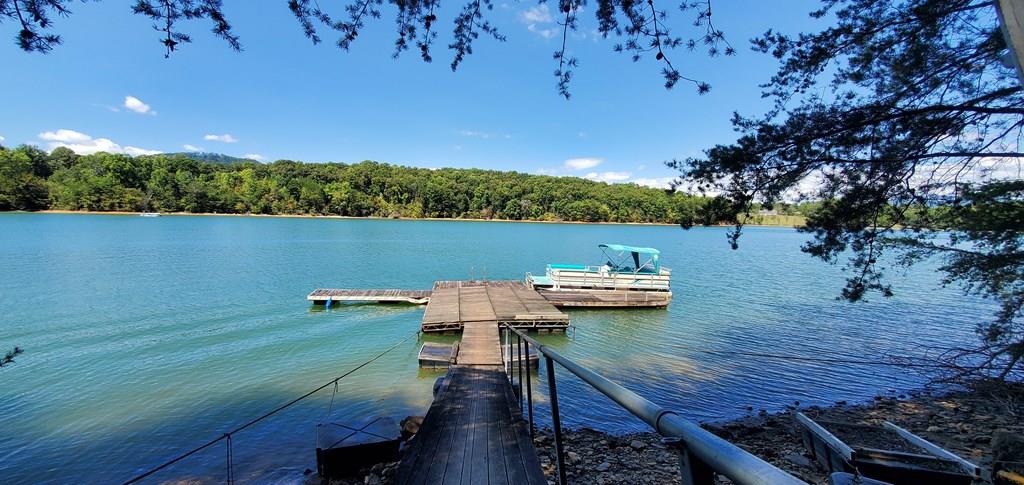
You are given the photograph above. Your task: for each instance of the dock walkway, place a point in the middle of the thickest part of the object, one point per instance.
(473, 433)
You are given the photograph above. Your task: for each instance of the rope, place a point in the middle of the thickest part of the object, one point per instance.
(265, 415)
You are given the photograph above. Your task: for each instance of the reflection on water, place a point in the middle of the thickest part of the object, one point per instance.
(145, 337)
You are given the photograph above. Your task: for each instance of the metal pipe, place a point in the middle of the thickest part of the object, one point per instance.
(725, 458)
(556, 421)
(529, 388)
(519, 347)
(514, 352)
(507, 353)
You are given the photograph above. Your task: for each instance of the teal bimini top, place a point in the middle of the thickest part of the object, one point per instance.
(631, 249)
(638, 265)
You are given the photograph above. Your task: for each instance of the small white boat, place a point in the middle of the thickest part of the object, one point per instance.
(149, 214)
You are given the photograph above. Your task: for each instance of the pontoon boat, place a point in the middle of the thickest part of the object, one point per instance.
(625, 268)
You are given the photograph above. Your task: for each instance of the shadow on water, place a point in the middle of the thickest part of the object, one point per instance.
(279, 448)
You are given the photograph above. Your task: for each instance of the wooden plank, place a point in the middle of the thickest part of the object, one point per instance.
(472, 434)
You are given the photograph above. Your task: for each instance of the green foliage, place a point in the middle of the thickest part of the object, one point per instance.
(171, 183)
(916, 104)
(22, 186)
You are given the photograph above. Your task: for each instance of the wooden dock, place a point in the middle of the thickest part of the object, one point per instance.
(325, 296)
(454, 304)
(473, 433)
(509, 301)
(606, 298)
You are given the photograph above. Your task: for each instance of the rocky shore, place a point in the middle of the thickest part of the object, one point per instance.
(964, 422)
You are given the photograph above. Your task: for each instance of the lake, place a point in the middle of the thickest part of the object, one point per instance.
(145, 337)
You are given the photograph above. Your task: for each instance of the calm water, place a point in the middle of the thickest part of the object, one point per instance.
(145, 337)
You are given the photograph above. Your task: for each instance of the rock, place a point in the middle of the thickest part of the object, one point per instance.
(933, 429)
(603, 467)
(372, 479)
(572, 457)
(637, 445)
(799, 460)
(1008, 446)
(410, 426)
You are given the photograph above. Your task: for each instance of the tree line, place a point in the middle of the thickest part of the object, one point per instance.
(32, 179)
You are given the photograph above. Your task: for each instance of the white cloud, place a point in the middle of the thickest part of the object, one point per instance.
(136, 105)
(64, 136)
(136, 151)
(192, 148)
(255, 156)
(610, 177)
(225, 138)
(484, 135)
(539, 20)
(657, 182)
(2, 138)
(546, 33)
(583, 163)
(83, 144)
(537, 14)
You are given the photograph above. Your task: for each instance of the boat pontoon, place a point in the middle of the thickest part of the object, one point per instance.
(625, 268)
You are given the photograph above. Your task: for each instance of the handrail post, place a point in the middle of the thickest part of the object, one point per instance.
(514, 353)
(529, 389)
(692, 471)
(507, 353)
(556, 421)
(519, 348)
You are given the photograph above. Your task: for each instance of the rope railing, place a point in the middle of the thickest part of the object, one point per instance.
(227, 437)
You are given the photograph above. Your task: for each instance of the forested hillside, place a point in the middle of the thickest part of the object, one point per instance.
(31, 179)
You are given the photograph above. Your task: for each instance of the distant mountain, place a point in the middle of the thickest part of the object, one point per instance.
(212, 157)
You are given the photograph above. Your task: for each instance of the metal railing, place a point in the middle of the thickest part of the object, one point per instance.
(595, 276)
(701, 453)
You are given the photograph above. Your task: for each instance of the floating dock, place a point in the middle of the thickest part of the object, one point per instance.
(606, 298)
(328, 296)
(454, 304)
(524, 299)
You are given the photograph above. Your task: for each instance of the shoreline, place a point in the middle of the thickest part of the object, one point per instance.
(967, 422)
(435, 219)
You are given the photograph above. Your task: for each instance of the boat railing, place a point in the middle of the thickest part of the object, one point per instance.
(701, 453)
(600, 276)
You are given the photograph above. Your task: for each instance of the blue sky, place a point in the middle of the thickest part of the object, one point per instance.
(110, 87)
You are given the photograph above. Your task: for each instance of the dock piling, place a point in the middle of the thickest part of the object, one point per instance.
(556, 421)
